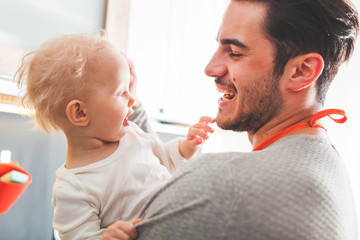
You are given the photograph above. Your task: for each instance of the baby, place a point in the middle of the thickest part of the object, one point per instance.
(79, 84)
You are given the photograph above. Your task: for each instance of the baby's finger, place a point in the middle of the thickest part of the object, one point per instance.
(116, 231)
(136, 221)
(197, 132)
(195, 142)
(207, 119)
(128, 228)
(204, 126)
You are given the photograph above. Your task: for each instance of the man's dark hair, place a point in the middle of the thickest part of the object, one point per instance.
(328, 27)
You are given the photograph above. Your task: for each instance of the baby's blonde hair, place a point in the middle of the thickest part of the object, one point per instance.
(55, 73)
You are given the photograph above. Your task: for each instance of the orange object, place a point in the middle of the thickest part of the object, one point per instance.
(10, 192)
(312, 123)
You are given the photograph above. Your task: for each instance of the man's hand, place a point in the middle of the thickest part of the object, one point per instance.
(196, 136)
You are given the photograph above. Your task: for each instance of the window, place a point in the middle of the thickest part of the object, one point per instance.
(26, 24)
(171, 41)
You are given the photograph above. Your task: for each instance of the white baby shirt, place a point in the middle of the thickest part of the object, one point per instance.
(90, 198)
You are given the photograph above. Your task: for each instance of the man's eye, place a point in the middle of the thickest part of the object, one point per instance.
(232, 54)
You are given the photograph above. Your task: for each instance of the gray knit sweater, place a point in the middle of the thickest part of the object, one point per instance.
(297, 188)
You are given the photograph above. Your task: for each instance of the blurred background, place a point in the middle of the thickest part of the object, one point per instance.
(170, 42)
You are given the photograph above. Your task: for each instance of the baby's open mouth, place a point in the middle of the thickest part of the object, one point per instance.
(228, 95)
(126, 121)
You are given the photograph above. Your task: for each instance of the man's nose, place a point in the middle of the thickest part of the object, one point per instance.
(216, 67)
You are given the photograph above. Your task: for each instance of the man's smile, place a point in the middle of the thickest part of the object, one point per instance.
(229, 93)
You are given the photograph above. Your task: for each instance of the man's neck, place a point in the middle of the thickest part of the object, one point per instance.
(283, 121)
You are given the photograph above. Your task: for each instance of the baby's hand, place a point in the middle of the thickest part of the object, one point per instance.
(196, 136)
(133, 83)
(199, 132)
(121, 230)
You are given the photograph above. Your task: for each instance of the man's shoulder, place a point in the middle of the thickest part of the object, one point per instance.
(269, 194)
(306, 162)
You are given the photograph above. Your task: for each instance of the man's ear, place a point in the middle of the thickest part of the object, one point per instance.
(305, 71)
(76, 113)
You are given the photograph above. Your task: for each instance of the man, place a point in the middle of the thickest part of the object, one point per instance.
(274, 64)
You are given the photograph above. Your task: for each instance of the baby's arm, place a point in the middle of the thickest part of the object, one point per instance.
(74, 217)
(196, 136)
(121, 230)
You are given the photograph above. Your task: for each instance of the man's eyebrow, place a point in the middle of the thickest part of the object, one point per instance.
(232, 41)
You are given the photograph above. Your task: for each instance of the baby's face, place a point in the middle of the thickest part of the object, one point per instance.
(109, 103)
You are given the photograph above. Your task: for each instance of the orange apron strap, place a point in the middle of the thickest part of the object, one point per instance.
(312, 123)
(328, 112)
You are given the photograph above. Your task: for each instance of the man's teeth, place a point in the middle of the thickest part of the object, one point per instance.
(227, 94)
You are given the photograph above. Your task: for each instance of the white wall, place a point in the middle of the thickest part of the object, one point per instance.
(171, 42)
(344, 94)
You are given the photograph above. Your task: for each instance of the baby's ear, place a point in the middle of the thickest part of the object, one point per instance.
(76, 113)
(306, 70)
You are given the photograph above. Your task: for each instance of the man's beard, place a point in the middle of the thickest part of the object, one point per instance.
(262, 104)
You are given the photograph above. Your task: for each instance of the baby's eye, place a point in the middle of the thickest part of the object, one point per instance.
(120, 93)
(123, 93)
